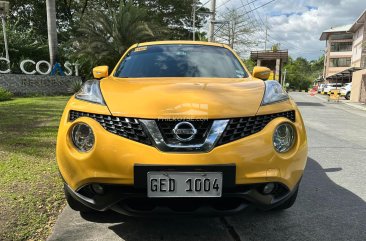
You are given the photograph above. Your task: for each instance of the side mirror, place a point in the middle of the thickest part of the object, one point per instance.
(262, 73)
(100, 72)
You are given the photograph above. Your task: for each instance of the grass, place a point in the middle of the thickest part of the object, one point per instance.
(5, 95)
(31, 194)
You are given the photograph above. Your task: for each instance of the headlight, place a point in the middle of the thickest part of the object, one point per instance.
(90, 91)
(83, 137)
(284, 137)
(273, 93)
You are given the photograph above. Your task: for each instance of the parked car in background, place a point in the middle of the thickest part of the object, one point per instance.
(320, 88)
(331, 86)
(346, 91)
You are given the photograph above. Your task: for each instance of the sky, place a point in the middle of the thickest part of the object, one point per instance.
(295, 24)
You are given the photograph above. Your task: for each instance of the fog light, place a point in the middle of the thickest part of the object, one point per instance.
(269, 188)
(83, 137)
(97, 188)
(284, 137)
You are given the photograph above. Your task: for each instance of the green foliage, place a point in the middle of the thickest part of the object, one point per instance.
(301, 73)
(250, 64)
(23, 44)
(75, 86)
(276, 47)
(104, 37)
(5, 95)
(176, 16)
(159, 19)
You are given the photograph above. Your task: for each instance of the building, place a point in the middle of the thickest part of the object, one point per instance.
(359, 38)
(273, 59)
(338, 52)
(345, 56)
(358, 92)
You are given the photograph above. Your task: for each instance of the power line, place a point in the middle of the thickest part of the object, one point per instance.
(205, 3)
(263, 5)
(243, 6)
(291, 45)
(261, 23)
(255, 17)
(222, 4)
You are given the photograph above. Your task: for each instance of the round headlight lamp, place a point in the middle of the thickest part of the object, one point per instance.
(83, 137)
(284, 137)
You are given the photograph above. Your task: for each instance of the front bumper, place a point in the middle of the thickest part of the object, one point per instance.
(132, 201)
(113, 159)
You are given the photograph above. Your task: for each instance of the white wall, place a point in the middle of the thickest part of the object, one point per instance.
(356, 85)
(358, 38)
(341, 54)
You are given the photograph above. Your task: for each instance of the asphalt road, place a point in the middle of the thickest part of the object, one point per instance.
(330, 206)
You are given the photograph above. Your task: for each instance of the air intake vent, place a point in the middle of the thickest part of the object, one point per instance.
(242, 127)
(129, 128)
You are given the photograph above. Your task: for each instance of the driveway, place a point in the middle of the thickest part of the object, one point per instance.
(330, 206)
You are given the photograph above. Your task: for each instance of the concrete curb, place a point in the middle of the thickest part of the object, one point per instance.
(359, 106)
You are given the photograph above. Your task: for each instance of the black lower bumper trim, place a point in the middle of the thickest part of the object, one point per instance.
(133, 201)
(148, 207)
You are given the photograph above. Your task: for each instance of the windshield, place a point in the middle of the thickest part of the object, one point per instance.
(180, 61)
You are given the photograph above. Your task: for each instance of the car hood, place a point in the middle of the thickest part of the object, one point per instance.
(182, 98)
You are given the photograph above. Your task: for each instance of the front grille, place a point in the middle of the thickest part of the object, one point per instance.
(166, 130)
(127, 127)
(242, 127)
(131, 128)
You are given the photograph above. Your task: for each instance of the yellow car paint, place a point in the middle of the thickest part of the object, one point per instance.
(112, 158)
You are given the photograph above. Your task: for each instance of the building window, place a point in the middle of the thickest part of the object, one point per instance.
(341, 36)
(341, 47)
(340, 62)
(363, 62)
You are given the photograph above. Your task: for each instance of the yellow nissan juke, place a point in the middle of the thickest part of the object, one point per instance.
(181, 127)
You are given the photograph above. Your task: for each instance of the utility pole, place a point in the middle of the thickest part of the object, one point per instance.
(4, 10)
(265, 43)
(211, 29)
(232, 29)
(52, 30)
(284, 78)
(194, 20)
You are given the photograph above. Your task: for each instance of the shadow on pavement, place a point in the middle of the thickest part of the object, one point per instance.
(323, 211)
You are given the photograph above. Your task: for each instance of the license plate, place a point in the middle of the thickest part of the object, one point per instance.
(184, 184)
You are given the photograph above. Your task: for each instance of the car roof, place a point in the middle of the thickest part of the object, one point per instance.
(180, 42)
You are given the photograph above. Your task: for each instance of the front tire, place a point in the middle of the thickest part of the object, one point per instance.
(348, 96)
(76, 205)
(289, 202)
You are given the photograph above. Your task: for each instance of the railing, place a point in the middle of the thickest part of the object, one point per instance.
(269, 54)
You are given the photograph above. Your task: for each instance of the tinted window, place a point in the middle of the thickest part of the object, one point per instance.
(340, 62)
(180, 61)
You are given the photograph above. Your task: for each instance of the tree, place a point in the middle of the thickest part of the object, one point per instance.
(301, 72)
(30, 16)
(24, 44)
(276, 47)
(250, 64)
(175, 15)
(236, 32)
(104, 37)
